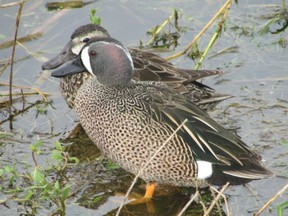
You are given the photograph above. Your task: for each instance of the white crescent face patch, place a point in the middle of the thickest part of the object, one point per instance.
(86, 60)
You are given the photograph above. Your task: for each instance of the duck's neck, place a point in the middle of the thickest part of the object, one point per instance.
(127, 84)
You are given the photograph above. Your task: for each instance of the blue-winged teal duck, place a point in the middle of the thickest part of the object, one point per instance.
(129, 120)
(147, 67)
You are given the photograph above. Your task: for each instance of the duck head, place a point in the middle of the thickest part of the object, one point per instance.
(79, 38)
(105, 58)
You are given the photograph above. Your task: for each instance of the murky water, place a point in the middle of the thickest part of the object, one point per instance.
(256, 74)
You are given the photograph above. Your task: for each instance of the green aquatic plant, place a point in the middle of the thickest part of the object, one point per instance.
(277, 19)
(93, 18)
(281, 208)
(43, 185)
(166, 34)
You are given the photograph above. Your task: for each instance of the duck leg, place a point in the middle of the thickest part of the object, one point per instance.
(150, 189)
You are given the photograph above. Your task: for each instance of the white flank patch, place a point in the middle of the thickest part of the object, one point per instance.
(204, 169)
(86, 60)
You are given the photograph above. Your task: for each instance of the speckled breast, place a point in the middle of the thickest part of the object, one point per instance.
(119, 123)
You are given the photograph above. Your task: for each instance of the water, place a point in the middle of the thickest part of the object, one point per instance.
(256, 74)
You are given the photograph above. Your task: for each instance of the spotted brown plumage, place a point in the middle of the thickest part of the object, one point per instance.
(129, 120)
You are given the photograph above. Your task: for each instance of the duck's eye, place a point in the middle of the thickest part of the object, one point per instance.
(86, 40)
(92, 53)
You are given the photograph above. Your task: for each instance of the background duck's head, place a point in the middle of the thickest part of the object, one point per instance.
(79, 38)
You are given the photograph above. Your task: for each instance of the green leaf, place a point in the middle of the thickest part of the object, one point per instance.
(97, 199)
(34, 147)
(43, 187)
(1, 172)
(39, 177)
(58, 146)
(28, 195)
(74, 159)
(38, 143)
(56, 187)
(10, 169)
(65, 192)
(281, 207)
(57, 155)
(111, 166)
(93, 18)
(283, 142)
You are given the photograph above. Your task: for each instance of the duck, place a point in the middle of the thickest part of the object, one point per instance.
(129, 120)
(147, 67)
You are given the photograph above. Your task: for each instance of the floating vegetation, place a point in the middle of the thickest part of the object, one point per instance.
(166, 34)
(277, 20)
(64, 5)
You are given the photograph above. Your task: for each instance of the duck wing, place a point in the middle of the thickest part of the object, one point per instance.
(231, 158)
(151, 67)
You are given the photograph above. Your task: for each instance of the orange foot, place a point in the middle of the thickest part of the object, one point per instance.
(150, 189)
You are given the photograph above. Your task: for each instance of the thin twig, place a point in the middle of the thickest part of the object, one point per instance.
(33, 54)
(215, 36)
(189, 203)
(22, 39)
(216, 199)
(225, 201)
(9, 4)
(23, 99)
(197, 37)
(7, 62)
(12, 60)
(19, 112)
(4, 66)
(217, 203)
(34, 159)
(147, 163)
(21, 93)
(35, 89)
(267, 204)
